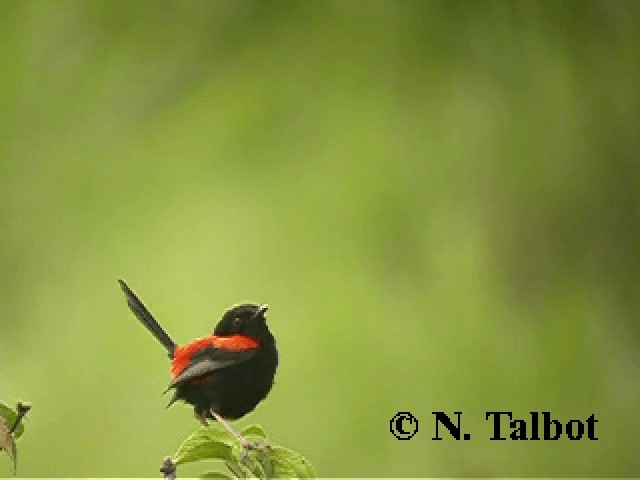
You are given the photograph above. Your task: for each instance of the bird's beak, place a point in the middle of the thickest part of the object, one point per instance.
(261, 310)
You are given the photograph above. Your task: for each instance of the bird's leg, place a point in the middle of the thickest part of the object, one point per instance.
(246, 444)
(229, 428)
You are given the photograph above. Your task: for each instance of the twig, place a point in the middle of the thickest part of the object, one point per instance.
(168, 469)
(22, 409)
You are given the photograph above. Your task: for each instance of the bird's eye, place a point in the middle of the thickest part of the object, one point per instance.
(236, 322)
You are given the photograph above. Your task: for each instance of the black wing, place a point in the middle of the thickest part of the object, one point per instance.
(210, 360)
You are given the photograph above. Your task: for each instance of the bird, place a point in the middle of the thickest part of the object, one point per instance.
(224, 375)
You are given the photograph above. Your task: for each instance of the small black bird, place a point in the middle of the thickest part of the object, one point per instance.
(224, 375)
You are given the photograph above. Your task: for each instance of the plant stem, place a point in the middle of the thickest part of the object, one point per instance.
(22, 410)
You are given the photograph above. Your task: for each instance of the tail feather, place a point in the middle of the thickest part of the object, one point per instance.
(145, 317)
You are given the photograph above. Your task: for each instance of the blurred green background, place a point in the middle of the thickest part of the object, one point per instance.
(440, 201)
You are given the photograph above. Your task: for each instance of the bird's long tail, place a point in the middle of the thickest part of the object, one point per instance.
(145, 317)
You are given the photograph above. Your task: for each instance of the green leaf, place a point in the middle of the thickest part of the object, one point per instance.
(287, 463)
(215, 443)
(254, 462)
(239, 470)
(254, 430)
(207, 443)
(9, 414)
(7, 443)
(267, 465)
(216, 474)
(235, 468)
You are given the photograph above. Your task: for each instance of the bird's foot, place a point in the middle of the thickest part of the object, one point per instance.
(247, 446)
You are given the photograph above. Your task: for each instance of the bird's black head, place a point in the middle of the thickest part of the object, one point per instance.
(246, 320)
